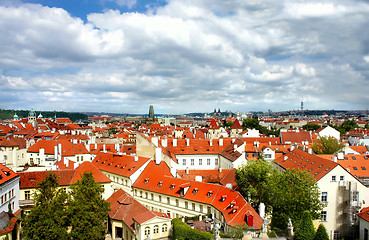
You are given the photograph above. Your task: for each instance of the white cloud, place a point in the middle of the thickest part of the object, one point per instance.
(185, 56)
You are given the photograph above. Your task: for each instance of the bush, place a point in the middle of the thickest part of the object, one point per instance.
(272, 234)
(182, 231)
(305, 229)
(321, 233)
(233, 232)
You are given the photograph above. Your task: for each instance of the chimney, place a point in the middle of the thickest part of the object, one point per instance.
(104, 148)
(187, 171)
(235, 147)
(340, 156)
(164, 142)
(155, 141)
(198, 178)
(117, 147)
(174, 142)
(136, 158)
(233, 140)
(60, 148)
(211, 142)
(220, 170)
(66, 162)
(310, 151)
(285, 158)
(270, 143)
(188, 142)
(334, 158)
(292, 147)
(55, 151)
(220, 141)
(158, 156)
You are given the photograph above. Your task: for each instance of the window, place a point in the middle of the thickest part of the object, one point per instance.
(336, 234)
(333, 178)
(208, 161)
(146, 195)
(355, 196)
(324, 216)
(363, 168)
(159, 198)
(201, 208)
(177, 202)
(168, 200)
(192, 162)
(77, 159)
(156, 229)
(164, 228)
(200, 161)
(209, 210)
(152, 196)
(216, 162)
(342, 178)
(186, 205)
(147, 231)
(184, 162)
(324, 196)
(193, 206)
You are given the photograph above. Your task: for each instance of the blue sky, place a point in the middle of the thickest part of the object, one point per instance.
(183, 55)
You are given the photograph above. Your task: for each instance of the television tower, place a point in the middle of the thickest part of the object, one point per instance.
(302, 106)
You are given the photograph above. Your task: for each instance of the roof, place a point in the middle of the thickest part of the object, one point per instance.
(296, 136)
(209, 176)
(298, 159)
(357, 165)
(236, 125)
(123, 165)
(6, 174)
(230, 153)
(68, 148)
(364, 214)
(125, 208)
(13, 142)
(154, 179)
(66, 177)
(197, 146)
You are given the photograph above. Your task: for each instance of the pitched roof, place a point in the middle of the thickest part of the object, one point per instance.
(68, 148)
(357, 165)
(125, 208)
(364, 214)
(236, 125)
(66, 177)
(296, 136)
(13, 142)
(230, 153)
(6, 174)
(123, 165)
(209, 176)
(298, 159)
(153, 179)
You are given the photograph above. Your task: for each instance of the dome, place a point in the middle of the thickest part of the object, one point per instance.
(32, 113)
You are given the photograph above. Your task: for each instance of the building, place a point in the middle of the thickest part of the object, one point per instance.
(9, 189)
(341, 192)
(129, 219)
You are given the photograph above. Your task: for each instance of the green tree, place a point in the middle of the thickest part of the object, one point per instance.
(327, 145)
(311, 127)
(293, 192)
(88, 211)
(250, 123)
(321, 233)
(47, 220)
(305, 229)
(254, 181)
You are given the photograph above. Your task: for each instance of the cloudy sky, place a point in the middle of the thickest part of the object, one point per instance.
(184, 55)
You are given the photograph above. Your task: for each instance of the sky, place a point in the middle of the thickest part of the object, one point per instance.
(183, 56)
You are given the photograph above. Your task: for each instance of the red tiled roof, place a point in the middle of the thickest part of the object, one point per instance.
(236, 125)
(125, 208)
(357, 165)
(13, 142)
(209, 176)
(66, 177)
(123, 165)
(6, 174)
(298, 159)
(230, 153)
(364, 214)
(68, 148)
(296, 137)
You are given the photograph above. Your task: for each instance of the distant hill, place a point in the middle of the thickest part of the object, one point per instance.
(74, 116)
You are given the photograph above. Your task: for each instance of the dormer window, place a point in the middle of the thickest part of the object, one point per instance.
(232, 204)
(146, 180)
(235, 208)
(160, 183)
(224, 197)
(210, 193)
(321, 166)
(172, 186)
(117, 165)
(131, 169)
(195, 190)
